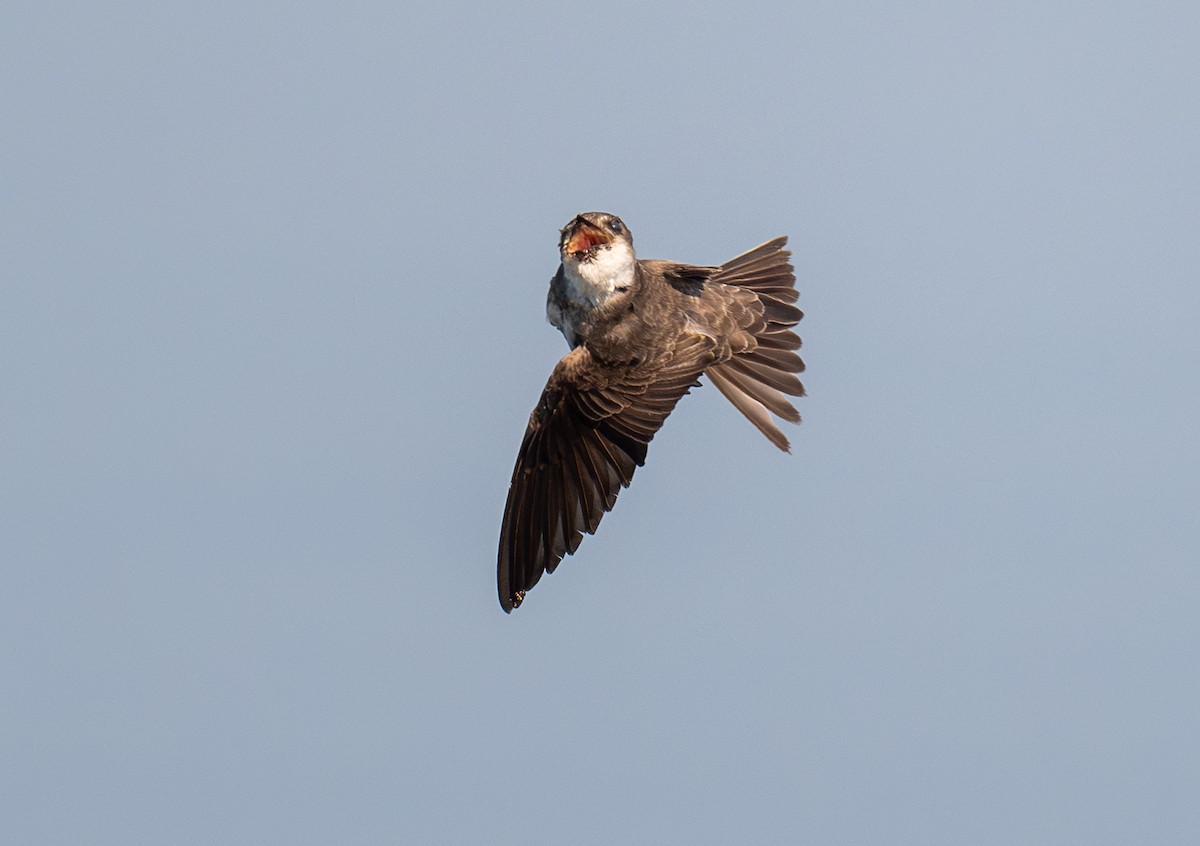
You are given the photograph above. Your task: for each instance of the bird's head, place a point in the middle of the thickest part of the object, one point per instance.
(592, 233)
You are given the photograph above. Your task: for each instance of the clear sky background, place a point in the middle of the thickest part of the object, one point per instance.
(272, 284)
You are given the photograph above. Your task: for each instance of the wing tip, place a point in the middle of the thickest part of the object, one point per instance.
(509, 602)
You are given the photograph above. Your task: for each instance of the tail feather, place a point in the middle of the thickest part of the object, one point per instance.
(773, 399)
(777, 339)
(765, 253)
(758, 379)
(783, 295)
(754, 410)
(784, 360)
(758, 372)
(780, 314)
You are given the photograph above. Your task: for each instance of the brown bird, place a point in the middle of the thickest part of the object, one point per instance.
(642, 332)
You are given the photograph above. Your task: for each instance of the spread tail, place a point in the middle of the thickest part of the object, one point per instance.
(759, 378)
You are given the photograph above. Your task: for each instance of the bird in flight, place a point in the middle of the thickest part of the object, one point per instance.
(642, 332)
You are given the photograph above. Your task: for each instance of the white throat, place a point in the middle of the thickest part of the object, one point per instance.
(609, 272)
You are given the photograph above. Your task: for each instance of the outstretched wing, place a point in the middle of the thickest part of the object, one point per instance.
(586, 437)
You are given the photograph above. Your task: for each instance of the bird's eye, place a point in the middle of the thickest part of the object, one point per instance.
(615, 226)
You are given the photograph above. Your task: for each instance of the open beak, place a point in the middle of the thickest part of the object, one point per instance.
(584, 236)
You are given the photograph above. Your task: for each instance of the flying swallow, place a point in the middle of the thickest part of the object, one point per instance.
(642, 332)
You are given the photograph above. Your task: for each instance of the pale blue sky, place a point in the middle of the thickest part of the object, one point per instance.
(272, 322)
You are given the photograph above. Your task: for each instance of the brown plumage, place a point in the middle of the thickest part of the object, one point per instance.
(642, 332)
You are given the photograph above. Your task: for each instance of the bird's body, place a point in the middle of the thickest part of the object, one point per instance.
(642, 332)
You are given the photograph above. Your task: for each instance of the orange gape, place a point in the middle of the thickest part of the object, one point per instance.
(587, 237)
